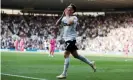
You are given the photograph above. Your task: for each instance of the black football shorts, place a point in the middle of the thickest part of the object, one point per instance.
(70, 45)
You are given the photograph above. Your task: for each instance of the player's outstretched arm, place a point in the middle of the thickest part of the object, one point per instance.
(59, 20)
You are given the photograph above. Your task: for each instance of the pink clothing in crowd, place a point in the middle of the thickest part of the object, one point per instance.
(126, 49)
(21, 44)
(52, 45)
(16, 44)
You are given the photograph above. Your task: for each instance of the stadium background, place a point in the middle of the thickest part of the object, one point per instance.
(96, 32)
(105, 30)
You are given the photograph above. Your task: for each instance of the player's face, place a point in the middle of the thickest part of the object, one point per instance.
(69, 11)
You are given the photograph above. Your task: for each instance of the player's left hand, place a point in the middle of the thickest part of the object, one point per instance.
(71, 21)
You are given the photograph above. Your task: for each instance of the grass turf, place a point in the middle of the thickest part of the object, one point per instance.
(42, 66)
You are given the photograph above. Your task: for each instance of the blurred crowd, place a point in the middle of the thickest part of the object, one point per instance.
(110, 32)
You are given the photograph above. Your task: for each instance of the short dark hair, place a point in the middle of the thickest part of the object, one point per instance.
(73, 7)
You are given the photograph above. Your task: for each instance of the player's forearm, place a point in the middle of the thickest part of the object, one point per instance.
(59, 20)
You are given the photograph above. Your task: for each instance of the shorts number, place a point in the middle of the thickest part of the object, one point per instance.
(67, 45)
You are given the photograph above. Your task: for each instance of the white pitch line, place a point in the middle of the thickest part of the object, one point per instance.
(22, 76)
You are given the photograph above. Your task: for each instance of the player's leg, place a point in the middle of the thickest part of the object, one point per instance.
(49, 52)
(52, 52)
(66, 65)
(77, 56)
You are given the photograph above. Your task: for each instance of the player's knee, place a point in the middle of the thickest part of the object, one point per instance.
(66, 55)
(76, 56)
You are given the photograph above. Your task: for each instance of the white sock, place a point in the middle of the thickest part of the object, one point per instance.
(66, 65)
(84, 59)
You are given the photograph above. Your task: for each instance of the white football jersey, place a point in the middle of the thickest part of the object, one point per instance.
(69, 31)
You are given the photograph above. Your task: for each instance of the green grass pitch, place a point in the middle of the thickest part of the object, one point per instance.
(47, 68)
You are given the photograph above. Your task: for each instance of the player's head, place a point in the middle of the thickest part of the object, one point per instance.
(70, 9)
